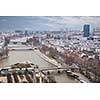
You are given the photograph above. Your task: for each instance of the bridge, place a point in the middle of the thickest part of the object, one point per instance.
(54, 69)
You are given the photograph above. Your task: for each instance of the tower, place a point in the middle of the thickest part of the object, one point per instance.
(86, 30)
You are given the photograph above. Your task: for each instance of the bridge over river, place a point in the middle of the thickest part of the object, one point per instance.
(30, 55)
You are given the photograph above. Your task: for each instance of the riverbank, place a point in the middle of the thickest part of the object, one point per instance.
(43, 56)
(54, 62)
(3, 57)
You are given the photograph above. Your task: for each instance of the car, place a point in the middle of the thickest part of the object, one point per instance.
(69, 72)
(82, 81)
(75, 76)
(59, 65)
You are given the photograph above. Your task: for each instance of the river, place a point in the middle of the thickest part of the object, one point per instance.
(30, 55)
(21, 56)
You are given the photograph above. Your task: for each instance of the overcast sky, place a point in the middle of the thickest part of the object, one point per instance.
(8, 23)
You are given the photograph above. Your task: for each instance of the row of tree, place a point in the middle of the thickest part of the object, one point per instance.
(70, 57)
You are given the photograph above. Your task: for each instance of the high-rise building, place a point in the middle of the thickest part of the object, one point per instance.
(26, 33)
(86, 30)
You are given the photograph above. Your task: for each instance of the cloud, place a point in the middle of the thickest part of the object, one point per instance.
(4, 20)
(47, 22)
(75, 20)
(70, 21)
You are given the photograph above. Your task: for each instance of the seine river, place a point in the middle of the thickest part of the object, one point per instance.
(21, 56)
(30, 55)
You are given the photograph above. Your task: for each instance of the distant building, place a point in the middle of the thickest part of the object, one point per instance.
(18, 31)
(86, 30)
(26, 33)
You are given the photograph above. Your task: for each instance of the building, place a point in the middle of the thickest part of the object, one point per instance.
(86, 30)
(26, 33)
(3, 52)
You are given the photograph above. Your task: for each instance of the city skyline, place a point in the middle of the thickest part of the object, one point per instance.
(41, 23)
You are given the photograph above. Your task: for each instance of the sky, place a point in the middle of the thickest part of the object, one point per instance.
(41, 23)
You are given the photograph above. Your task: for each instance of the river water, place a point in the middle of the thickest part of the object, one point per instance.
(21, 56)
